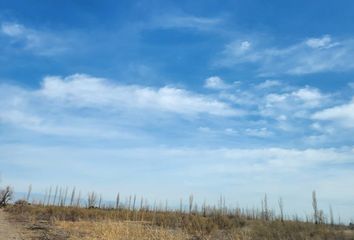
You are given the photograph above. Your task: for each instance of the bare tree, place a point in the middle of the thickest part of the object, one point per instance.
(266, 210)
(5, 196)
(204, 208)
(49, 195)
(181, 205)
(65, 196)
(281, 208)
(129, 201)
(190, 203)
(331, 215)
(117, 201)
(29, 192)
(78, 200)
(314, 205)
(321, 217)
(72, 197)
(92, 200)
(55, 195)
(134, 201)
(100, 201)
(141, 203)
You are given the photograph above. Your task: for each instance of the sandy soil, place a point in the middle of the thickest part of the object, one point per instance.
(9, 231)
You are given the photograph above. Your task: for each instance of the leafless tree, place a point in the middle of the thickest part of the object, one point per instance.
(72, 197)
(190, 203)
(314, 205)
(100, 201)
(78, 199)
(92, 200)
(266, 210)
(55, 195)
(29, 193)
(331, 215)
(181, 205)
(49, 195)
(281, 208)
(117, 201)
(5, 196)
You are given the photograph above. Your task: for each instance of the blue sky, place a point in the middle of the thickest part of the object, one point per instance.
(164, 99)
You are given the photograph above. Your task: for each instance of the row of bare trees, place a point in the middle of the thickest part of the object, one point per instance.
(59, 196)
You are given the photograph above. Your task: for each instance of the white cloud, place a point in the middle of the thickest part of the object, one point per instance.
(311, 97)
(245, 45)
(307, 97)
(310, 56)
(25, 109)
(19, 118)
(74, 105)
(231, 131)
(298, 103)
(186, 21)
(215, 82)
(86, 91)
(269, 84)
(290, 107)
(38, 42)
(80, 105)
(12, 29)
(342, 115)
(324, 42)
(262, 132)
(59, 97)
(238, 52)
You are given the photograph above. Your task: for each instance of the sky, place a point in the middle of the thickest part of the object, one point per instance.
(169, 98)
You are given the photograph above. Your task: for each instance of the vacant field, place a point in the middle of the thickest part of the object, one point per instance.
(62, 222)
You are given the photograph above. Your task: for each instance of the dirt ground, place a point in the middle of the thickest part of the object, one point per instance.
(20, 228)
(10, 231)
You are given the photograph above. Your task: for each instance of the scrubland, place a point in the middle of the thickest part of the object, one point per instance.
(72, 222)
(60, 215)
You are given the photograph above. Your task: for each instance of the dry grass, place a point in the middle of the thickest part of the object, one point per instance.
(109, 230)
(83, 223)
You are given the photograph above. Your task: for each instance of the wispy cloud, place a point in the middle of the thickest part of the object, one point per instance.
(298, 103)
(39, 42)
(269, 84)
(342, 115)
(324, 42)
(86, 91)
(58, 107)
(185, 21)
(13, 29)
(215, 82)
(313, 55)
(83, 105)
(261, 132)
(279, 108)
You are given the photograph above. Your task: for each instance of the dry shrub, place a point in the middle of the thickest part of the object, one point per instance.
(293, 230)
(5, 196)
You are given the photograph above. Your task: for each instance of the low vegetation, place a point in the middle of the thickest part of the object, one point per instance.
(63, 215)
(110, 223)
